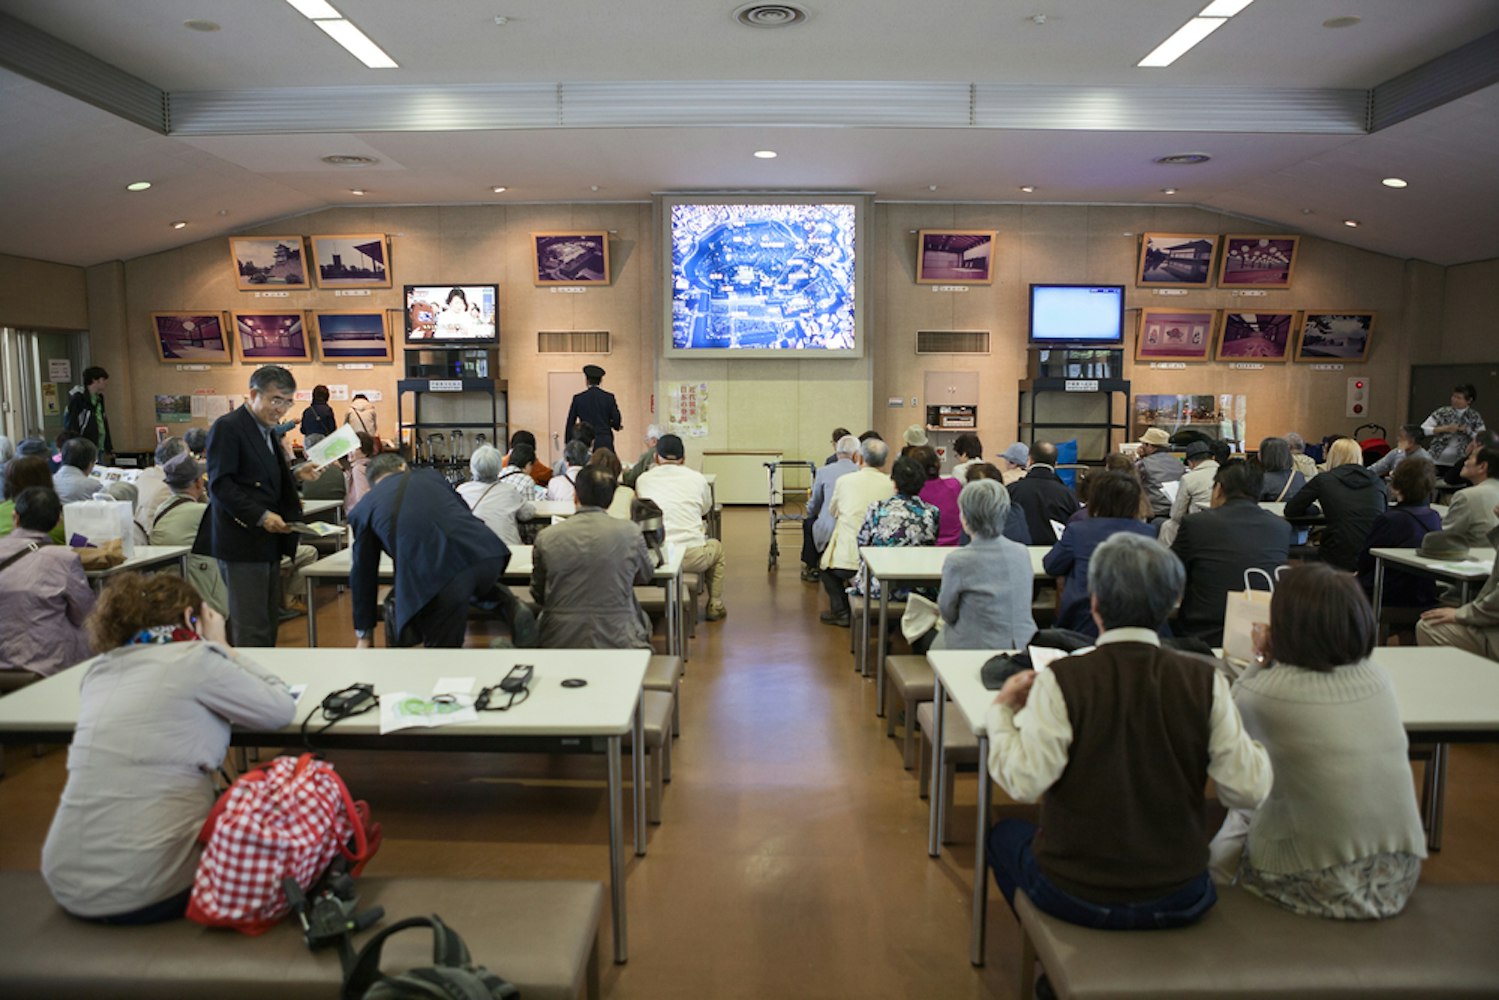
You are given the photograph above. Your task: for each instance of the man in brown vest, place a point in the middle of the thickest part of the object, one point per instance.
(1117, 744)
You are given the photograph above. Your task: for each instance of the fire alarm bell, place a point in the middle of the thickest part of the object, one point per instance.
(1358, 397)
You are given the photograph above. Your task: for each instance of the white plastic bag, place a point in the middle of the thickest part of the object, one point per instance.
(94, 522)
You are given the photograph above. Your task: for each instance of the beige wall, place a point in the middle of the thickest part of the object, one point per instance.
(786, 403)
(40, 295)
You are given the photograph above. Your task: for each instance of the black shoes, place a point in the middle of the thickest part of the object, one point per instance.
(828, 618)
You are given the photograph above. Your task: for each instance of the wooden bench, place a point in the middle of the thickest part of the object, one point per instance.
(541, 936)
(911, 680)
(1442, 945)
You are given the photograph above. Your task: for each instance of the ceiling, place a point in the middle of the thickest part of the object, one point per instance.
(64, 163)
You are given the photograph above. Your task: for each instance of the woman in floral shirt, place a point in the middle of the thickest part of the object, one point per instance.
(904, 519)
(1452, 428)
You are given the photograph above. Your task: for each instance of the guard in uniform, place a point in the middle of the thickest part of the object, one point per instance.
(597, 408)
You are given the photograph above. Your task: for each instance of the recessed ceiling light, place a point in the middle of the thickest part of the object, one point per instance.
(1347, 21)
(137, 185)
(1028, 188)
(1308, 211)
(1037, 19)
(198, 24)
(765, 154)
(931, 187)
(358, 44)
(1168, 190)
(315, 10)
(1182, 159)
(179, 224)
(223, 211)
(349, 160)
(593, 187)
(358, 191)
(501, 19)
(1393, 182)
(769, 15)
(1351, 223)
(499, 189)
(1183, 39)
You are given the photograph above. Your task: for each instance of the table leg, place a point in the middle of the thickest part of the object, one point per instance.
(1438, 795)
(879, 654)
(934, 786)
(673, 632)
(637, 763)
(681, 589)
(307, 583)
(616, 855)
(980, 868)
(1378, 589)
(861, 661)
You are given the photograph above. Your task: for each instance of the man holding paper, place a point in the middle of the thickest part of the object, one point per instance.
(252, 502)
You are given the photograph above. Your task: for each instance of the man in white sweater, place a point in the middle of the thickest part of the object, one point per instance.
(852, 495)
(685, 499)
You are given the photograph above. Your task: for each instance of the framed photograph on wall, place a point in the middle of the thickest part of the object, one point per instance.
(272, 337)
(1175, 334)
(1335, 336)
(1264, 336)
(1258, 261)
(353, 335)
(955, 256)
(201, 338)
(579, 258)
(1176, 260)
(360, 260)
(266, 262)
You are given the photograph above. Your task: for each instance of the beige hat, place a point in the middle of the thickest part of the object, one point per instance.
(1155, 436)
(915, 436)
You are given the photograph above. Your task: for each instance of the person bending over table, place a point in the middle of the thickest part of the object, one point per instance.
(1351, 498)
(1475, 625)
(444, 557)
(584, 572)
(1340, 835)
(1117, 745)
(154, 713)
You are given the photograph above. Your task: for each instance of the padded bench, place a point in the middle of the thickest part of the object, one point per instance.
(665, 674)
(541, 936)
(910, 679)
(1442, 945)
(656, 713)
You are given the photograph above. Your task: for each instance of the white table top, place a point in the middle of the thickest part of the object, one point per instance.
(312, 508)
(337, 565)
(145, 555)
(1278, 508)
(1438, 689)
(924, 562)
(555, 508)
(1477, 566)
(604, 707)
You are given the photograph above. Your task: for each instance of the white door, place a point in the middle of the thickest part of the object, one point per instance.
(561, 388)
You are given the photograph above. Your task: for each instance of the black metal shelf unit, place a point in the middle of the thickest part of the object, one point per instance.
(411, 430)
(1033, 388)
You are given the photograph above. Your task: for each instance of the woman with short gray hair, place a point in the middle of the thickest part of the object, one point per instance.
(497, 506)
(562, 485)
(985, 600)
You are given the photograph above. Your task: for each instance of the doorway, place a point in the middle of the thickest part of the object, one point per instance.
(561, 388)
(37, 369)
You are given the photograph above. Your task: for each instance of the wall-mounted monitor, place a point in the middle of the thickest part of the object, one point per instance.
(452, 314)
(764, 276)
(1077, 315)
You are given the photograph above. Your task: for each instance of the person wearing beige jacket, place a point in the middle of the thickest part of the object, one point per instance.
(1475, 625)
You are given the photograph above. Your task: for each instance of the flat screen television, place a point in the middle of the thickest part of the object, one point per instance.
(1077, 315)
(452, 314)
(764, 276)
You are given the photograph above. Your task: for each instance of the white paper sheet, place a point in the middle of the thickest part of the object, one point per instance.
(1171, 489)
(454, 685)
(403, 710)
(333, 447)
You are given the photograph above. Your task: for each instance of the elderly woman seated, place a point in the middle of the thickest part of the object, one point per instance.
(562, 485)
(493, 502)
(43, 590)
(154, 713)
(904, 519)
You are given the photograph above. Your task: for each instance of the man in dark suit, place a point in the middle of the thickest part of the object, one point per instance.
(444, 556)
(596, 408)
(252, 500)
(1043, 496)
(1218, 544)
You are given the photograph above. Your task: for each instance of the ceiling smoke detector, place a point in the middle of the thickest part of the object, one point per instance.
(1183, 159)
(769, 15)
(349, 160)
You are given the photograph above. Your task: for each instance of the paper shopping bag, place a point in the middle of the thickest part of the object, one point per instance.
(1243, 611)
(91, 523)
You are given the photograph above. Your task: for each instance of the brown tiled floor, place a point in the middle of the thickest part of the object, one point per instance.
(792, 859)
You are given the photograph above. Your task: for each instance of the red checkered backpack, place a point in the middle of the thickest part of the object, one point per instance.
(286, 819)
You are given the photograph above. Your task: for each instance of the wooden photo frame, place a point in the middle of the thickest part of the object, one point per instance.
(1181, 334)
(570, 258)
(200, 338)
(273, 337)
(955, 256)
(262, 263)
(1176, 260)
(1327, 336)
(355, 260)
(353, 335)
(1258, 261)
(1255, 336)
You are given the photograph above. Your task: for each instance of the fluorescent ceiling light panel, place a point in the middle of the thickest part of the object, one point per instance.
(358, 43)
(1178, 44)
(1224, 8)
(316, 10)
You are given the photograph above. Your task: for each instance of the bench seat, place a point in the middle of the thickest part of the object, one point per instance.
(1442, 945)
(541, 936)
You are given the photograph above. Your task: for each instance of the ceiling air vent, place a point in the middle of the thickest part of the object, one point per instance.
(349, 160)
(770, 15)
(952, 342)
(572, 342)
(1183, 159)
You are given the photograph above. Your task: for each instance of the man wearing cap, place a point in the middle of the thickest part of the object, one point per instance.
(914, 437)
(1157, 466)
(597, 408)
(1043, 496)
(1012, 463)
(1196, 491)
(175, 522)
(685, 499)
(1474, 626)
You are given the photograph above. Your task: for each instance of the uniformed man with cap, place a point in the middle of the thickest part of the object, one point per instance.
(597, 408)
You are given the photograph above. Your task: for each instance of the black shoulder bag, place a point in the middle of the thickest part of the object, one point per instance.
(452, 973)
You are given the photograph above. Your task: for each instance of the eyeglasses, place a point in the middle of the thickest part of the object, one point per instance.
(280, 402)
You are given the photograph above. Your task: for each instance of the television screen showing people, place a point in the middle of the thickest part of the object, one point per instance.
(438, 313)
